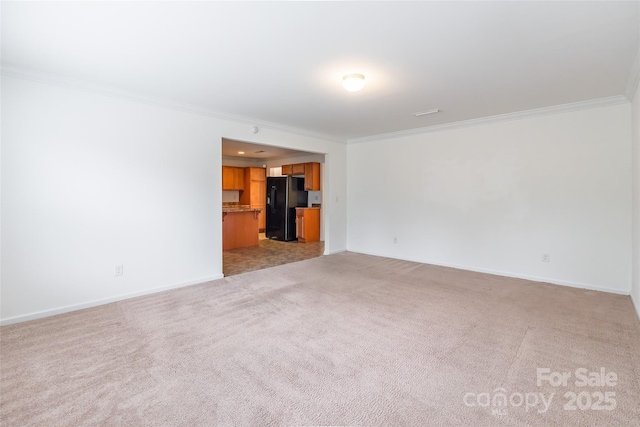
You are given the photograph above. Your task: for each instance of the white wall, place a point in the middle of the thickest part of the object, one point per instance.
(92, 181)
(635, 288)
(230, 196)
(496, 197)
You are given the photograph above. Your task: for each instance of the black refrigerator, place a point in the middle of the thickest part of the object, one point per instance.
(284, 194)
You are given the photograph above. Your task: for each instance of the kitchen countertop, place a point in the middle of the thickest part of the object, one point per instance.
(239, 208)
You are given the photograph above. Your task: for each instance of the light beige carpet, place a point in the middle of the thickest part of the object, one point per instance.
(345, 339)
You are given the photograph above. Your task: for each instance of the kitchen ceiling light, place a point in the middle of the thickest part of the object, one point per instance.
(353, 82)
(240, 152)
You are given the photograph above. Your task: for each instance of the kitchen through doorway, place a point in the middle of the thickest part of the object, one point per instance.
(271, 206)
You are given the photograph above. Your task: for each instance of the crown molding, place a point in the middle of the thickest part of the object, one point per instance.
(556, 109)
(634, 77)
(86, 86)
(78, 84)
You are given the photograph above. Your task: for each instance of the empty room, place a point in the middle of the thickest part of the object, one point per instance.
(463, 176)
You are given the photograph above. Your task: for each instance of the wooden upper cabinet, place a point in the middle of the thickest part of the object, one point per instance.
(239, 178)
(228, 178)
(232, 178)
(311, 172)
(297, 169)
(312, 176)
(257, 174)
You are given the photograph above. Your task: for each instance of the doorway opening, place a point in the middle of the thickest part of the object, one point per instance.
(271, 206)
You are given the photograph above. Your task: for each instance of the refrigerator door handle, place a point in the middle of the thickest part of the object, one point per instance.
(273, 199)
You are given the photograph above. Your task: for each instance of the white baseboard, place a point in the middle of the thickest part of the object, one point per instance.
(502, 273)
(335, 251)
(636, 305)
(94, 303)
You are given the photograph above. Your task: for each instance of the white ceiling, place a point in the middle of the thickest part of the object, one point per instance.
(230, 148)
(282, 62)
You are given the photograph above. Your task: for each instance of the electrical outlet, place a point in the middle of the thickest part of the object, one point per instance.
(395, 240)
(119, 270)
(546, 258)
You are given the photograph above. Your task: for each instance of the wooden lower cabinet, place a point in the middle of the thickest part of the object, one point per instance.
(262, 218)
(308, 224)
(239, 229)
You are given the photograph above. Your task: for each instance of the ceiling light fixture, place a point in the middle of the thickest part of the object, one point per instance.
(353, 82)
(424, 113)
(240, 152)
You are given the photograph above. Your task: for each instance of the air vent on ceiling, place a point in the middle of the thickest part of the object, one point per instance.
(259, 151)
(424, 113)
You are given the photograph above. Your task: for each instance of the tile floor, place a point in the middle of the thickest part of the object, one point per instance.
(268, 253)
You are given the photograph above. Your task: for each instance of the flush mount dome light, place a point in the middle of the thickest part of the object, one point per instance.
(353, 82)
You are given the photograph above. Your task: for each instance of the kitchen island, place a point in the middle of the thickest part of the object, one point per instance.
(239, 227)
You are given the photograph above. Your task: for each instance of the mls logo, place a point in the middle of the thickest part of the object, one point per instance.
(499, 412)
